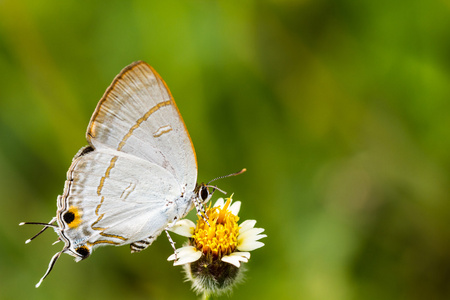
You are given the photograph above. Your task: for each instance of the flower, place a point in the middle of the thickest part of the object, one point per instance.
(216, 247)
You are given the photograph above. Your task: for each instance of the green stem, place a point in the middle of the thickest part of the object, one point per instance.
(205, 296)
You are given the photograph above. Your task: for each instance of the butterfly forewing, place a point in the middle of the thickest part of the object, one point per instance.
(137, 115)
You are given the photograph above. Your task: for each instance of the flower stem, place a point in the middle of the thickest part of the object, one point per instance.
(205, 296)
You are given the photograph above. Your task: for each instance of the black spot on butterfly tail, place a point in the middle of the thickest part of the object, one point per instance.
(83, 251)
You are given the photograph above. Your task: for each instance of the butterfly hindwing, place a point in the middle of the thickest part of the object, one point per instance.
(112, 198)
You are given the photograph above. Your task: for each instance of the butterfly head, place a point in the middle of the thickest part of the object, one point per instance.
(202, 192)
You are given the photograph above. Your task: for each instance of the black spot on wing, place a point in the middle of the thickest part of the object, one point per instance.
(69, 217)
(83, 251)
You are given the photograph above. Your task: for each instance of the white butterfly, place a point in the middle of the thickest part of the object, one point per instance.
(137, 175)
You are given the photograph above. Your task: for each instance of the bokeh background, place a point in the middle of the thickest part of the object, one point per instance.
(338, 109)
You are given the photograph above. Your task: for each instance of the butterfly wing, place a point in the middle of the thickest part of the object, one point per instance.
(139, 172)
(137, 115)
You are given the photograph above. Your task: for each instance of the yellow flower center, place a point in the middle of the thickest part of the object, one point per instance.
(219, 238)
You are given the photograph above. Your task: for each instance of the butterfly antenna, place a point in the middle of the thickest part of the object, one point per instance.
(50, 266)
(229, 175)
(216, 188)
(46, 225)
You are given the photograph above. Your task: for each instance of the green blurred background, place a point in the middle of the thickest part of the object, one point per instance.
(338, 109)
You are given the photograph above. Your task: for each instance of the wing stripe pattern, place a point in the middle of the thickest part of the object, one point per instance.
(99, 205)
(102, 229)
(162, 130)
(139, 122)
(102, 180)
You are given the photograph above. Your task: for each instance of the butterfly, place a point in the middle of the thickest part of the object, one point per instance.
(137, 175)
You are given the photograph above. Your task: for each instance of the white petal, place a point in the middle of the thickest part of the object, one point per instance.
(235, 258)
(220, 202)
(246, 225)
(185, 255)
(188, 259)
(243, 254)
(183, 227)
(249, 234)
(259, 236)
(180, 251)
(249, 245)
(235, 207)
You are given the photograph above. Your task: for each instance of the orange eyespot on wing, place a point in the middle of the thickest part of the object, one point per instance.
(72, 217)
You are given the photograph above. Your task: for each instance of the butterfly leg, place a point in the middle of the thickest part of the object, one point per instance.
(200, 210)
(172, 243)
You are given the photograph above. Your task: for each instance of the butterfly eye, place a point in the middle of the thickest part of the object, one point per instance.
(83, 251)
(203, 193)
